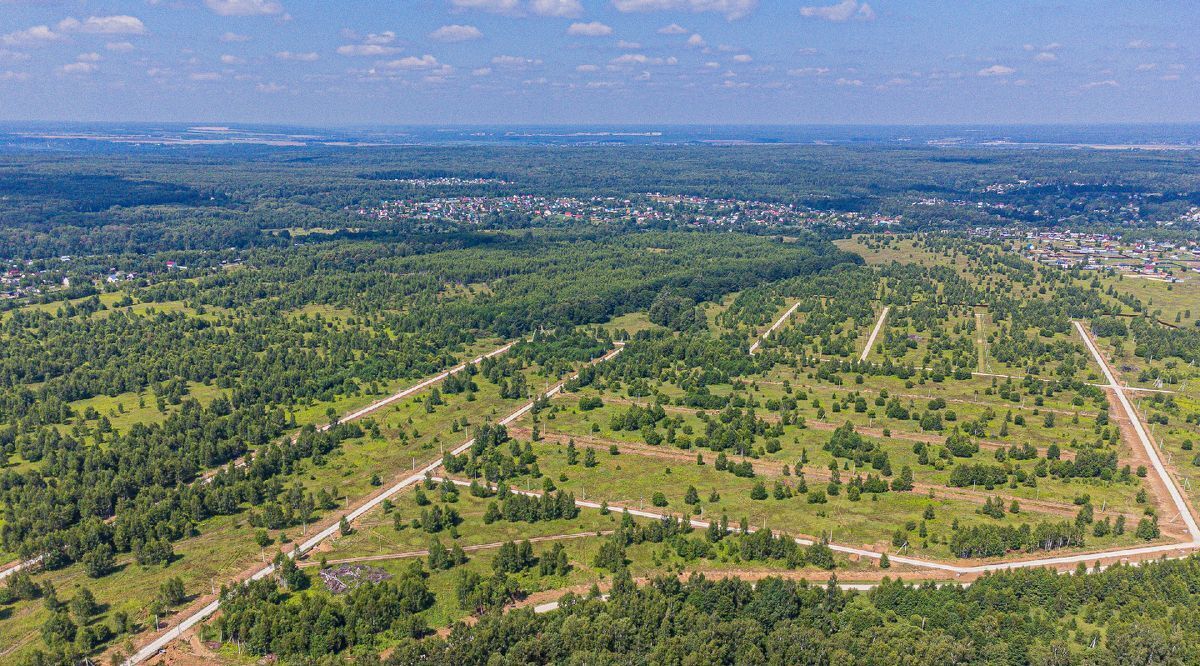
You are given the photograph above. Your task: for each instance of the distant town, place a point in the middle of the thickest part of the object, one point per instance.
(1156, 259)
(645, 209)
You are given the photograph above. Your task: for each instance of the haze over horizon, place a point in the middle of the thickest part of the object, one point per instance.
(613, 62)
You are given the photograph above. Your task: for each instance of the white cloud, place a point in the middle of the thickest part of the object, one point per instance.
(842, 11)
(622, 44)
(309, 56)
(640, 59)
(1045, 56)
(514, 61)
(244, 7)
(231, 59)
(995, 70)
(732, 9)
(88, 57)
(497, 6)
(1147, 67)
(696, 40)
(413, 62)
(587, 68)
(371, 50)
(559, 8)
(35, 36)
(119, 47)
(593, 29)
(13, 56)
(1138, 44)
(673, 29)
(854, 83)
(13, 76)
(104, 25)
(1107, 83)
(385, 37)
(270, 88)
(743, 58)
(230, 37)
(78, 68)
(808, 71)
(205, 76)
(456, 33)
(481, 71)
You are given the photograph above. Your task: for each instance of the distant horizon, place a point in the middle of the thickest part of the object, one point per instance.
(40, 135)
(427, 125)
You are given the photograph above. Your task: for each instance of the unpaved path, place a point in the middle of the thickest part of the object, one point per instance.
(469, 549)
(778, 322)
(1181, 509)
(197, 613)
(923, 437)
(875, 333)
(774, 470)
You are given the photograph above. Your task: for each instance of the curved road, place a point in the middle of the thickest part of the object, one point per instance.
(913, 561)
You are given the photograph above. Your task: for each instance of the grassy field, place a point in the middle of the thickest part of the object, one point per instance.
(632, 480)
(798, 443)
(126, 409)
(1163, 299)
(904, 251)
(376, 537)
(375, 533)
(631, 323)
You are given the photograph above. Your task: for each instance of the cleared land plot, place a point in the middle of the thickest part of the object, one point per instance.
(632, 479)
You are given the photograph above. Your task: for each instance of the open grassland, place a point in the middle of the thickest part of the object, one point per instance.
(631, 479)
(1176, 303)
(807, 444)
(632, 323)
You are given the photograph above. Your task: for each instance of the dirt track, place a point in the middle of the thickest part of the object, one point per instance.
(775, 470)
(877, 433)
(469, 549)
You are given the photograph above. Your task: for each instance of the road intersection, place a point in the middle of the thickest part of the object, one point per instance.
(1110, 556)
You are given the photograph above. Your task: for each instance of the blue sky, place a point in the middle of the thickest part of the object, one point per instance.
(600, 61)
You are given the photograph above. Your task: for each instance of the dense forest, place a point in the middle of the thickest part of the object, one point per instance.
(1124, 615)
(1036, 617)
